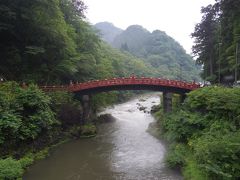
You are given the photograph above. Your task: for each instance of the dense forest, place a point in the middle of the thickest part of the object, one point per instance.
(217, 39)
(160, 53)
(50, 42)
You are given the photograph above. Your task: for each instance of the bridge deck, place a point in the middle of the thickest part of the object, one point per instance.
(123, 82)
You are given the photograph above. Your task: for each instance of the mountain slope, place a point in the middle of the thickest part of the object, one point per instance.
(161, 53)
(108, 31)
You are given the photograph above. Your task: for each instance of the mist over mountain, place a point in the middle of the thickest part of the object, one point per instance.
(158, 50)
(108, 31)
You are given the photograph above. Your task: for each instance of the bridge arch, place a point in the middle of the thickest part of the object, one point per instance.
(131, 83)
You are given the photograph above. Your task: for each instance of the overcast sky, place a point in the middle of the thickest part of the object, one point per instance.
(176, 17)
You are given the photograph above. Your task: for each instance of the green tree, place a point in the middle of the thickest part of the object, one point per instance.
(206, 42)
(217, 41)
(24, 114)
(230, 23)
(36, 42)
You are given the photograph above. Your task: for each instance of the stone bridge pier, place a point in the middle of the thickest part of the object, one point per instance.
(167, 101)
(85, 101)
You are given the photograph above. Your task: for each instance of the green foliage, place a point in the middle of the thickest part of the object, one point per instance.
(176, 101)
(192, 170)
(206, 38)
(207, 126)
(10, 169)
(176, 155)
(217, 41)
(41, 154)
(47, 49)
(25, 114)
(222, 103)
(88, 130)
(182, 125)
(104, 99)
(60, 98)
(160, 53)
(13, 169)
(35, 112)
(67, 108)
(218, 153)
(27, 160)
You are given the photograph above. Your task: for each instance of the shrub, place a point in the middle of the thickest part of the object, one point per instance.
(88, 130)
(24, 114)
(182, 125)
(208, 126)
(10, 169)
(218, 154)
(192, 171)
(176, 155)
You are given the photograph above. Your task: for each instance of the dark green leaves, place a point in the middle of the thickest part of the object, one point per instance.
(24, 114)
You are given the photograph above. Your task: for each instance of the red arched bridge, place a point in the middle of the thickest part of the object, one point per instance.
(130, 83)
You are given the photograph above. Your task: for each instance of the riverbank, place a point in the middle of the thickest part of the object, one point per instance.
(14, 168)
(32, 122)
(204, 134)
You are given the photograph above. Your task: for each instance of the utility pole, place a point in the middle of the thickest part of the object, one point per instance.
(219, 48)
(219, 63)
(236, 65)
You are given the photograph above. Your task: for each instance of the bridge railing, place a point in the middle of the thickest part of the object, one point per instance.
(127, 81)
(54, 88)
(122, 81)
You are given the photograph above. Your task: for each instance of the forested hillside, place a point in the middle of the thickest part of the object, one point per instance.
(55, 45)
(160, 52)
(217, 41)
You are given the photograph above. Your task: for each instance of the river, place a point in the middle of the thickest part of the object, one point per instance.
(122, 150)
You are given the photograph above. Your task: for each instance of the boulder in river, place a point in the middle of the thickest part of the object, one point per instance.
(142, 108)
(155, 108)
(105, 118)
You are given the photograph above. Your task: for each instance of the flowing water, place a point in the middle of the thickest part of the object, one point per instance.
(122, 150)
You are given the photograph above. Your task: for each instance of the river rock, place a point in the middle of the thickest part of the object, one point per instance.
(155, 108)
(105, 118)
(142, 108)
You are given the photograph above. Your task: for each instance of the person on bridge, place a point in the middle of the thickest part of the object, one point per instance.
(133, 76)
